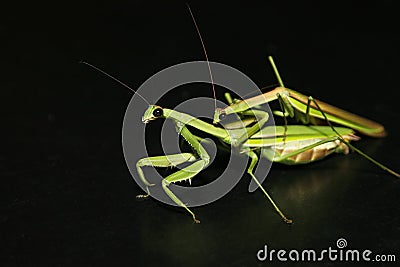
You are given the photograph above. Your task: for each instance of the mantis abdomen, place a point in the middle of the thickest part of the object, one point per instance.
(288, 153)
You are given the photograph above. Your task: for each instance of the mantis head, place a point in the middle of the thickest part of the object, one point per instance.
(152, 112)
(219, 115)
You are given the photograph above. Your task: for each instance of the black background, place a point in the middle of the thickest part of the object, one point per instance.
(67, 197)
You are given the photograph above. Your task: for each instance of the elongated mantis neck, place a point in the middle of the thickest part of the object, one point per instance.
(187, 119)
(254, 101)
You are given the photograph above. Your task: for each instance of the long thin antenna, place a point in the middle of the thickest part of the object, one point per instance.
(115, 79)
(205, 53)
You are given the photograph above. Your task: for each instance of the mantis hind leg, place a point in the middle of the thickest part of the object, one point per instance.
(282, 105)
(383, 167)
(254, 160)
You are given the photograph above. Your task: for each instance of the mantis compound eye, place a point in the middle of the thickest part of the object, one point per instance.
(222, 116)
(158, 112)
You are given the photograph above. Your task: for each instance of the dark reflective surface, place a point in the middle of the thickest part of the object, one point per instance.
(67, 197)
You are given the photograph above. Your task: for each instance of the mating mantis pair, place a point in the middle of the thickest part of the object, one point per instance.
(288, 144)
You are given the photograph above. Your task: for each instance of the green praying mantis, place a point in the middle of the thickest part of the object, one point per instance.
(287, 144)
(301, 144)
(307, 110)
(304, 108)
